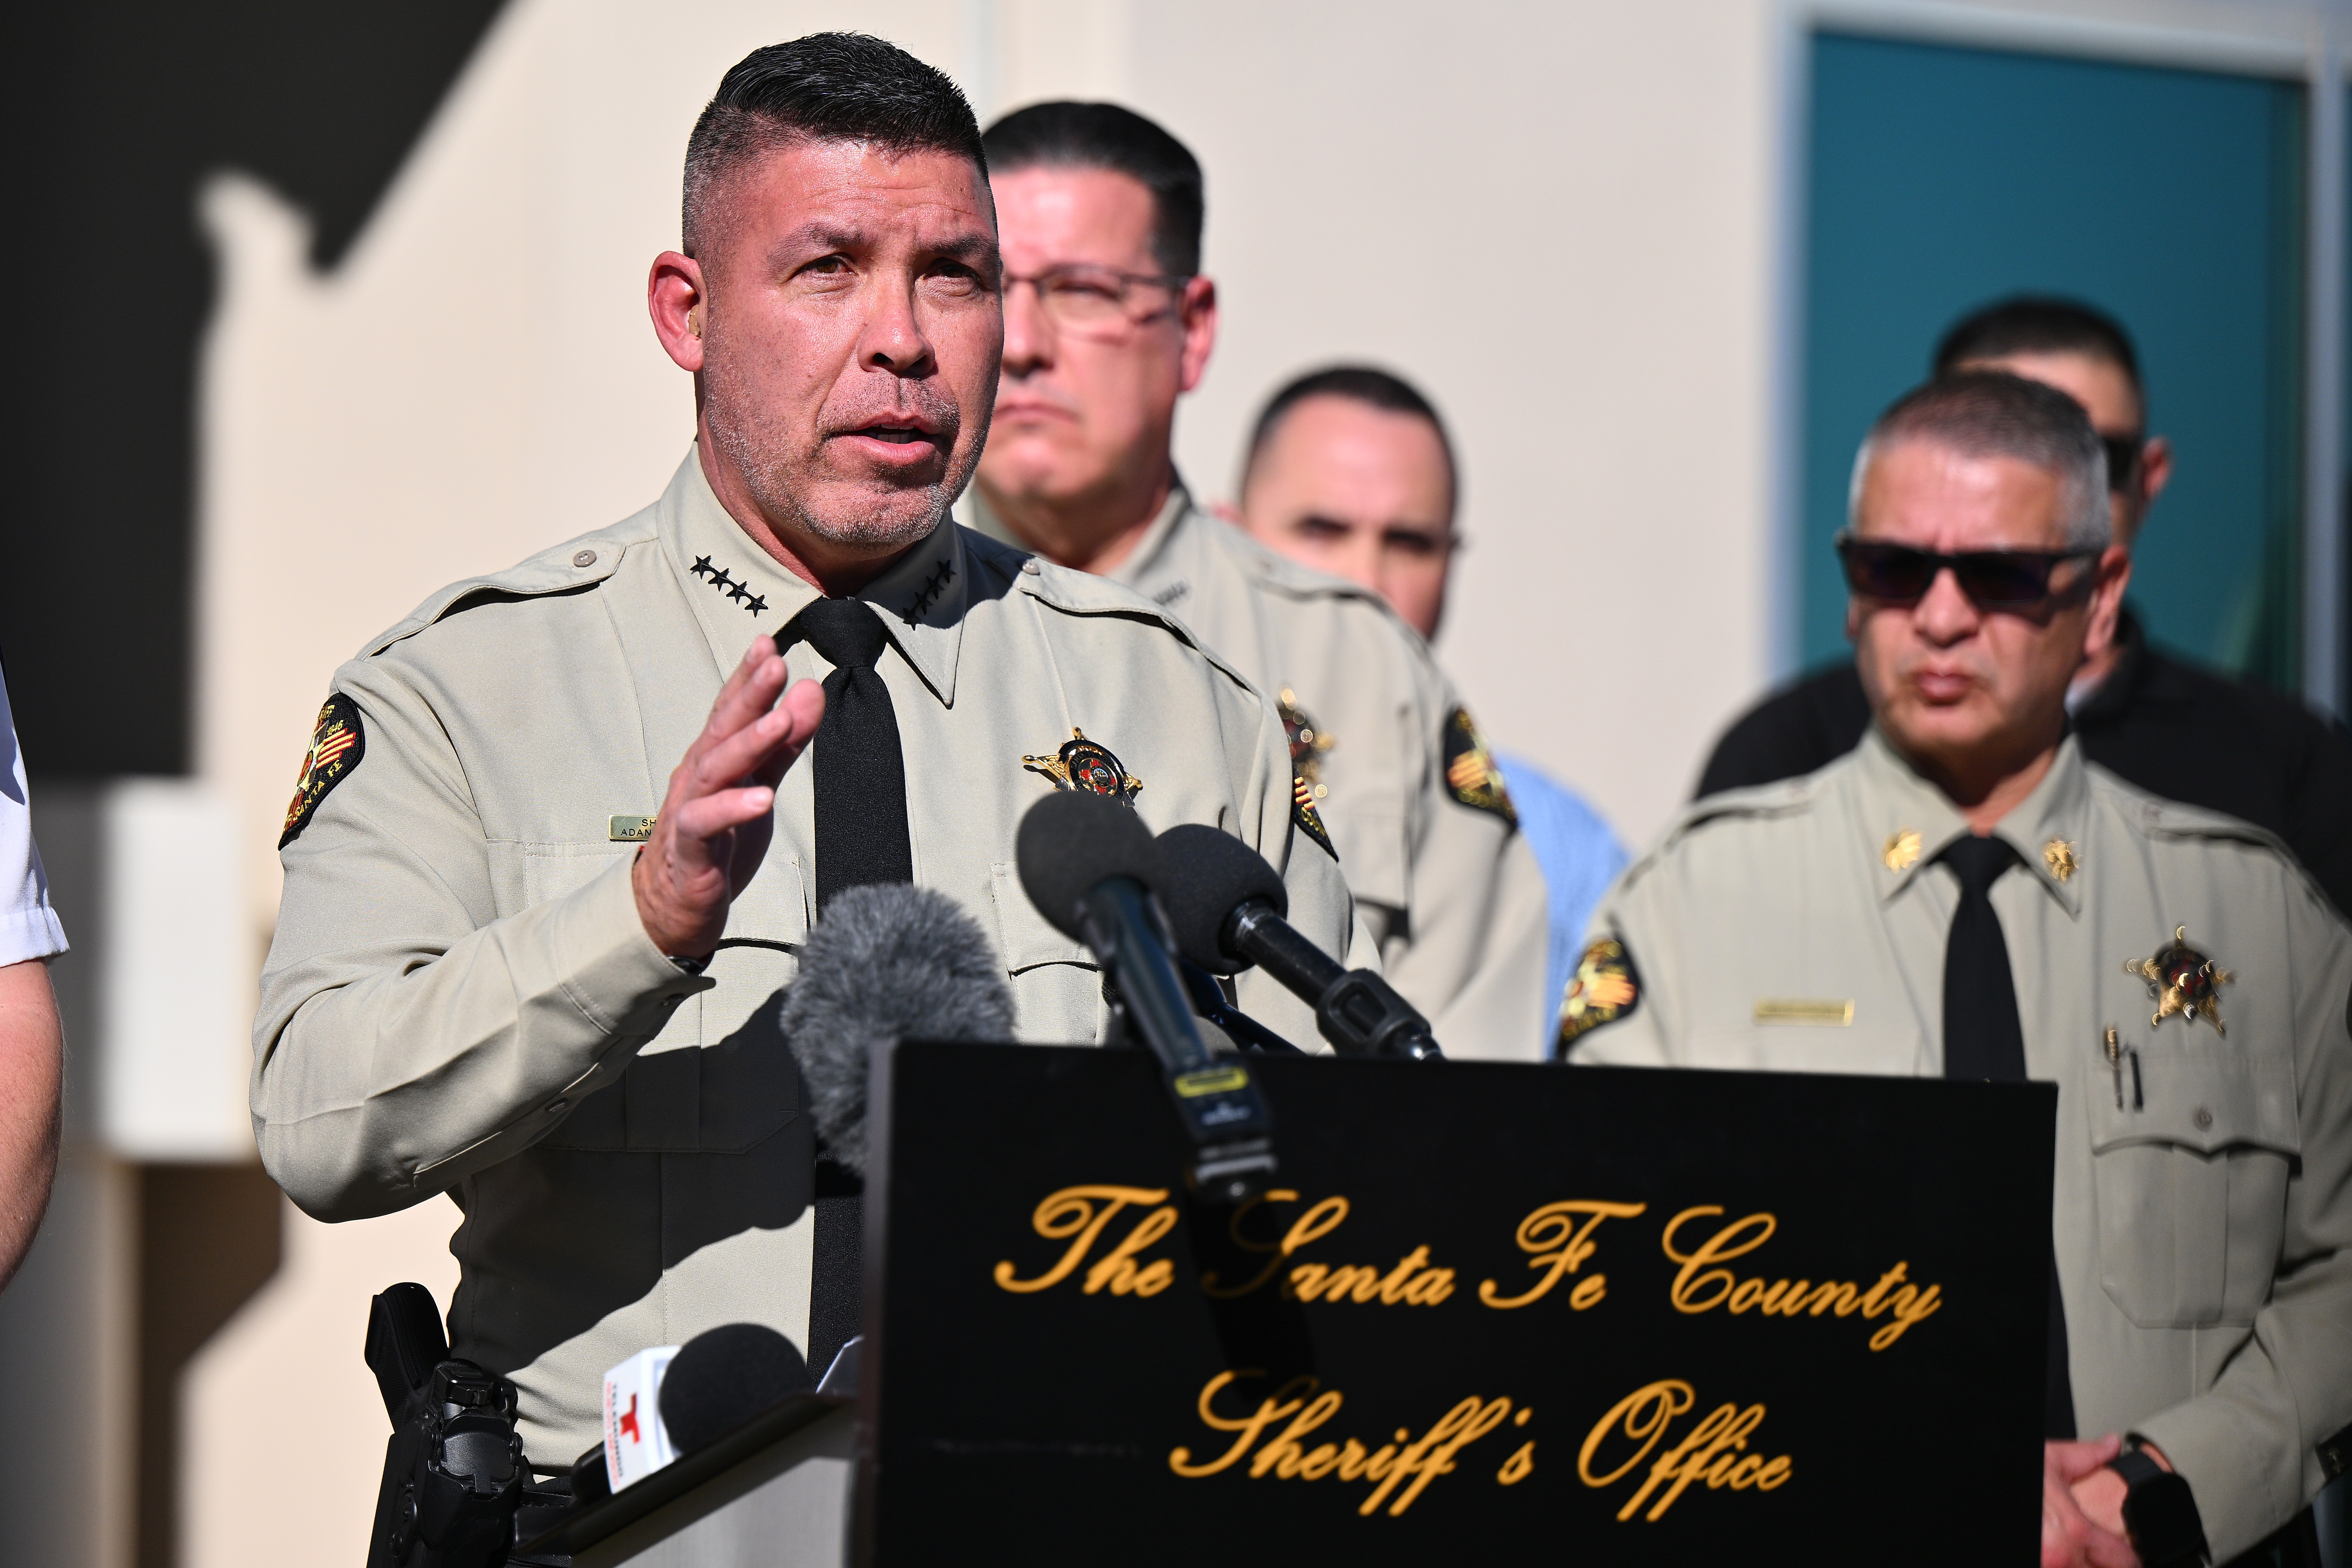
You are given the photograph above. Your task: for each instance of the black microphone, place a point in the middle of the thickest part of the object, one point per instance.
(1226, 905)
(1091, 867)
(723, 1377)
(888, 962)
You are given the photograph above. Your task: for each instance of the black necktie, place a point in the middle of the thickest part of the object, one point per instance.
(861, 774)
(861, 838)
(1983, 1039)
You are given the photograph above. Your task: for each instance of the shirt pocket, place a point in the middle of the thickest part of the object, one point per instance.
(1056, 985)
(2190, 1176)
(718, 1078)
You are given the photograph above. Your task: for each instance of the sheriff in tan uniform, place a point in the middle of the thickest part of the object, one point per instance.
(1389, 760)
(2175, 973)
(2202, 1211)
(461, 997)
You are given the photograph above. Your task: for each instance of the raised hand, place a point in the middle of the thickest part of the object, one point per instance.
(719, 817)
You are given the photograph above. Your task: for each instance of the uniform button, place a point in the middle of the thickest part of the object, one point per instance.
(2204, 1119)
(1030, 566)
(555, 1105)
(585, 558)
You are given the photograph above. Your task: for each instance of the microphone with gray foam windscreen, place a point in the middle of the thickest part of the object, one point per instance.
(1225, 906)
(889, 961)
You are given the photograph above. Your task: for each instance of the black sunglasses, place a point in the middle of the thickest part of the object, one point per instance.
(2123, 459)
(1992, 579)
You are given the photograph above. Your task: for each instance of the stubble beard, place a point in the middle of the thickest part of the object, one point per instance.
(779, 473)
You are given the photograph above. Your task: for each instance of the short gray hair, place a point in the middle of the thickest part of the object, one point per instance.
(1990, 414)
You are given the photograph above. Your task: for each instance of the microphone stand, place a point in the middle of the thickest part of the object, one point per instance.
(1217, 1102)
(1360, 1012)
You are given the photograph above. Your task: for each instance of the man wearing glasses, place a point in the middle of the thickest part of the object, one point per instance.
(2258, 755)
(1108, 323)
(1965, 896)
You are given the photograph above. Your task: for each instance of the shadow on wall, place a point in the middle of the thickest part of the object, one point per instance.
(133, 106)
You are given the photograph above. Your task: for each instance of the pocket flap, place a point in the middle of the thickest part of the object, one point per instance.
(2204, 1095)
(1025, 937)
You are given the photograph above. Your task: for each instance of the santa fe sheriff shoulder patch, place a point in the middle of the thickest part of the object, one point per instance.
(337, 743)
(1605, 989)
(1470, 770)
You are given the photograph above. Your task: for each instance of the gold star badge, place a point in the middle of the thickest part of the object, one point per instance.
(2184, 980)
(1088, 765)
(1902, 850)
(2059, 855)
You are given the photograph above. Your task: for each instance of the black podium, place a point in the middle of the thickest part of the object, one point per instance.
(1486, 1312)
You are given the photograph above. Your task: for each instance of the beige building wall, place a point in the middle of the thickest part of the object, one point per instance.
(1569, 221)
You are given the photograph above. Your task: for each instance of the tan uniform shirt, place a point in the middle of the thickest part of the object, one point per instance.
(461, 998)
(2203, 1226)
(1398, 772)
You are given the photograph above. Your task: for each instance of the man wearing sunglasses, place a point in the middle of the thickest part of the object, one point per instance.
(1107, 322)
(1964, 896)
(2258, 755)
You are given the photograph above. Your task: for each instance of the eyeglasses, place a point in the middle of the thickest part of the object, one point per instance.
(2123, 459)
(1095, 301)
(1992, 579)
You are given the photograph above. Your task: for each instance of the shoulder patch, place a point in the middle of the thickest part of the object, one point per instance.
(1604, 990)
(337, 743)
(1309, 821)
(1470, 770)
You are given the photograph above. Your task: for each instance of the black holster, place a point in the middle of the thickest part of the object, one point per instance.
(452, 1470)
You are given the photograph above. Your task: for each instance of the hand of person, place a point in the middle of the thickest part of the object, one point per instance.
(2070, 1537)
(718, 818)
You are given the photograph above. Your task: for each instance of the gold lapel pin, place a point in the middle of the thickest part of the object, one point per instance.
(2059, 855)
(1902, 850)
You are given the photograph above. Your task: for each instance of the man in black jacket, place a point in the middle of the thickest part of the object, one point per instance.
(2172, 728)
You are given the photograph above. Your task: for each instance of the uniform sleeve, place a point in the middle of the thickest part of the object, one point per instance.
(1633, 921)
(2246, 1443)
(408, 1035)
(1477, 930)
(1321, 905)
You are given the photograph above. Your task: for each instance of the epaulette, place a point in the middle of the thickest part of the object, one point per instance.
(1084, 593)
(2160, 818)
(1782, 797)
(574, 564)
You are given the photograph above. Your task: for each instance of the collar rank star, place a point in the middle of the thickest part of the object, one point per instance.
(1084, 764)
(928, 594)
(721, 579)
(1470, 769)
(1902, 850)
(2184, 980)
(337, 743)
(1309, 741)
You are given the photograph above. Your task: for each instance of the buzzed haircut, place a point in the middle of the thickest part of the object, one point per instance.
(2038, 324)
(1067, 136)
(826, 87)
(1990, 414)
(1363, 384)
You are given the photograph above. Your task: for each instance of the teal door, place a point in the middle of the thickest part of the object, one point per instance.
(1945, 178)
